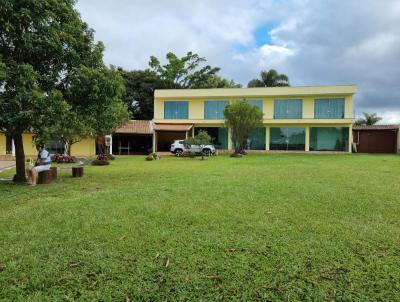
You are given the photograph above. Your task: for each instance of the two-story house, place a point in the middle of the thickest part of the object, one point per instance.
(314, 118)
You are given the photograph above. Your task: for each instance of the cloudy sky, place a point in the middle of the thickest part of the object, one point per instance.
(314, 42)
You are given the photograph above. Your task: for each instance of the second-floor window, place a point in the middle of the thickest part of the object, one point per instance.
(176, 110)
(256, 103)
(289, 108)
(329, 108)
(214, 110)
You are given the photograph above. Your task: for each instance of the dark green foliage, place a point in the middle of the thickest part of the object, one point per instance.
(44, 48)
(270, 78)
(242, 118)
(139, 92)
(178, 73)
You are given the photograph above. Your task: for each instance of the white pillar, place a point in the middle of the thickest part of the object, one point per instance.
(267, 138)
(111, 143)
(307, 138)
(350, 139)
(154, 141)
(12, 148)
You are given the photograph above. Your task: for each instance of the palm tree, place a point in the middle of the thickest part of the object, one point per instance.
(270, 78)
(368, 119)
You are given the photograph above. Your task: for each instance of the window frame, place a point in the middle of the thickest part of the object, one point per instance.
(288, 101)
(176, 116)
(330, 100)
(219, 112)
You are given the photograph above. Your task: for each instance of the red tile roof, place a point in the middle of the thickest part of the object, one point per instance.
(375, 127)
(172, 127)
(136, 127)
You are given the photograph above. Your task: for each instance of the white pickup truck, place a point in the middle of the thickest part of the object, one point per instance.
(178, 147)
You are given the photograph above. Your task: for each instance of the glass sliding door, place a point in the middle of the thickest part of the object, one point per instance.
(287, 138)
(329, 139)
(256, 139)
(219, 136)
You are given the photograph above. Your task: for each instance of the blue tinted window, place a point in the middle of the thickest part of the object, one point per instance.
(256, 103)
(290, 108)
(214, 110)
(329, 108)
(176, 110)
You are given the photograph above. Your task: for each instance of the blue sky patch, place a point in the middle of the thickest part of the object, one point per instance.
(261, 33)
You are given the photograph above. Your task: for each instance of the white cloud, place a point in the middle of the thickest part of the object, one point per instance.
(313, 42)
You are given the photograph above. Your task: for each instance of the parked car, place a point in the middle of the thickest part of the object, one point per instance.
(178, 147)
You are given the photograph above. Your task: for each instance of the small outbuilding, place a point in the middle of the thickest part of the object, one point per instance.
(376, 139)
(135, 137)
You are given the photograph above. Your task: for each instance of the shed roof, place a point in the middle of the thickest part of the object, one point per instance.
(172, 127)
(375, 127)
(136, 127)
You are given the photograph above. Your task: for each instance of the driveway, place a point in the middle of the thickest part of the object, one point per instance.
(4, 164)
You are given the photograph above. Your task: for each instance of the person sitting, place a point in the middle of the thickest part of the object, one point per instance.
(43, 163)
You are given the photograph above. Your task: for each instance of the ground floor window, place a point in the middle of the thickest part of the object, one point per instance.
(329, 139)
(287, 138)
(256, 139)
(219, 136)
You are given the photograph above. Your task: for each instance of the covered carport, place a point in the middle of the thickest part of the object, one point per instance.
(135, 137)
(165, 134)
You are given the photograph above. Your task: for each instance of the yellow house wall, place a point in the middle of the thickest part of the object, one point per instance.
(29, 147)
(85, 147)
(2, 144)
(196, 108)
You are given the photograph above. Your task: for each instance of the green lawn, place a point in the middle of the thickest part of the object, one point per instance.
(264, 227)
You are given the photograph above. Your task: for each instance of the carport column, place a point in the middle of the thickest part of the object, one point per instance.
(154, 141)
(307, 138)
(267, 138)
(193, 131)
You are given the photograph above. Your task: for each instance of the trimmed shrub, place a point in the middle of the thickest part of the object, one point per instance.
(63, 159)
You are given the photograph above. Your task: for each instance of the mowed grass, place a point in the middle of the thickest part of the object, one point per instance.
(261, 228)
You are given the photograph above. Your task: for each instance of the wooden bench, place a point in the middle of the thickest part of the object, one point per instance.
(46, 177)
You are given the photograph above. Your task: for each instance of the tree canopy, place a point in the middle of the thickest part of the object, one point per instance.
(187, 72)
(242, 118)
(270, 78)
(45, 52)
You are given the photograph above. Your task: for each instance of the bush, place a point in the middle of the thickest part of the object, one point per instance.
(237, 155)
(149, 157)
(63, 159)
(152, 156)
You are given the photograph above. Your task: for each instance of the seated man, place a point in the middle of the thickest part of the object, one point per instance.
(43, 163)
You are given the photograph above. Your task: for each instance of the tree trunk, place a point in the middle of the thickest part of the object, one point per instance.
(19, 158)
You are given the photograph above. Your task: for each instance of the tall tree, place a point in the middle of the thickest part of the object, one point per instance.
(242, 118)
(270, 78)
(368, 119)
(44, 44)
(186, 72)
(139, 92)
